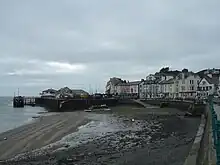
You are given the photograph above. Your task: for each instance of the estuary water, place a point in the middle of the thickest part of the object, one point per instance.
(14, 117)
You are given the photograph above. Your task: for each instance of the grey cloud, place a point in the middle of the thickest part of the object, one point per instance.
(50, 39)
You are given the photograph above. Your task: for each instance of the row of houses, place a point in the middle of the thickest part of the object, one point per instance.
(169, 84)
(64, 93)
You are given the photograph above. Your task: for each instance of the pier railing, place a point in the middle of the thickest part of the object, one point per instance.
(215, 130)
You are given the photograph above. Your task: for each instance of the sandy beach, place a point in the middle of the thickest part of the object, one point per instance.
(127, 135)
(43, 131)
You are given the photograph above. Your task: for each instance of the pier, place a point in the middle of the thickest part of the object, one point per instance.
(30, 101)
(18, 102)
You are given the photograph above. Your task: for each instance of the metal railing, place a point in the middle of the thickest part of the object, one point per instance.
(215, 130)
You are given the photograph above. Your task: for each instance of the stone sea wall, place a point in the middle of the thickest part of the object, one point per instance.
(59, 105)
(188, 106)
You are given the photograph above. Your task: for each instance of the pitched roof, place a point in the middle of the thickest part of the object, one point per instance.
(170, 81)
(50, 90)
(114, 81)
(213, 80)
(123, 84)
(129, 83)
(156, 81)
(162, 82)
(79, 92)
(135, 82)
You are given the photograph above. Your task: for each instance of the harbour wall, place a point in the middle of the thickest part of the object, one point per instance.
(59, 105)
(196, 109)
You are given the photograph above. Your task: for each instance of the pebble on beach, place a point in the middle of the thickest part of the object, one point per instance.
(5, 138)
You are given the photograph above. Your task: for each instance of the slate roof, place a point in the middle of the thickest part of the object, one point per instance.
(213, 80)
(170, 81)
(79, 92)
(135, 82)
(187, 74)
(129, 83)
(123, 84)
(50, 90)
(156, 81)
(114, 81)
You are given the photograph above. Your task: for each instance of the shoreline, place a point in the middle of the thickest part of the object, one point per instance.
(39, 133)
(104, 138)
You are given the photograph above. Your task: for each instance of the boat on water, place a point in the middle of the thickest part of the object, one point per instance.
(93, 108)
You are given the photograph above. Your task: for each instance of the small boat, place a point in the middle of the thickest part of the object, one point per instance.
(103, 107)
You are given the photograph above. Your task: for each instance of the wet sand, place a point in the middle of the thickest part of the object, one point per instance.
(43, 131)
(155, 136)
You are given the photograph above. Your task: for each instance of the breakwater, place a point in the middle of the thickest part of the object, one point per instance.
(59, 105)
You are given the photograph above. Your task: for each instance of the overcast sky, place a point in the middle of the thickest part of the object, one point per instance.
(82, 43)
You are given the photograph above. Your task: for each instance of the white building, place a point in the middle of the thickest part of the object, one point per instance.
(128, 88)
(111, 85)
(209, 85)
(166, 85)
(206, 87)
(142, 89)
(123, 88)
(134, 87)
(49, 93)
(168, 88)
(188, 84)
(152, 88)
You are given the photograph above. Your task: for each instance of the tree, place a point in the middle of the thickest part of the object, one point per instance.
(164, 70)
(185, 70)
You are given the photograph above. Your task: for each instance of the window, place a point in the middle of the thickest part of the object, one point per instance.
(203, 88)
(183, 88)
(192, 81)
(192, 88)
(207, 88)
(210, 87)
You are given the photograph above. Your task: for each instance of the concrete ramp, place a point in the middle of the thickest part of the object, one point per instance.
(144, 104)
(156, 110)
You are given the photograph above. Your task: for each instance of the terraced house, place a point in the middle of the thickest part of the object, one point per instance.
(188, 84)
(128, 88)
(208, 85)
(172, 84)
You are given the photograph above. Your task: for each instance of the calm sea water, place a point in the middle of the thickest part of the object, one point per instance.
(14, 117)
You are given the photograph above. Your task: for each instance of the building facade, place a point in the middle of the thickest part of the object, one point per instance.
(188, 84)
(111, 85)
(142, 89)
(206, 87)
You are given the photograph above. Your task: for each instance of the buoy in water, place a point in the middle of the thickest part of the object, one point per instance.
(5, 138)
(132, 120)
